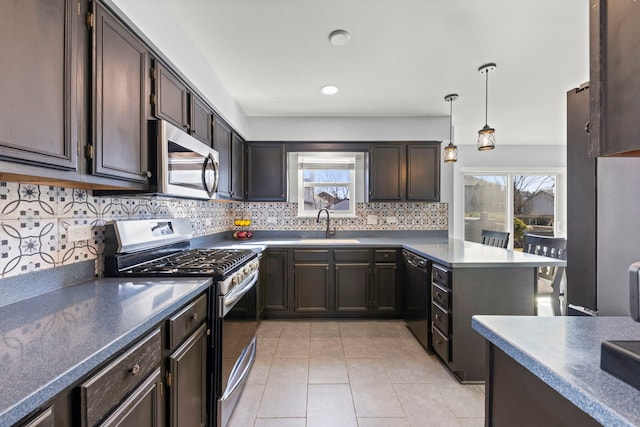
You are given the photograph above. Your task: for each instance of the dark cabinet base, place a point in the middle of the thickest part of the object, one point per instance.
(516, 397)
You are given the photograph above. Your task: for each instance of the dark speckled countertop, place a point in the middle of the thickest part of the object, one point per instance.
(564, 352)
(49, 342)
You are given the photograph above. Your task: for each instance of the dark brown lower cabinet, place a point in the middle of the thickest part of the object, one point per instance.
(311, 288)
(335, 282)
(106, 391)
(386, 289)
(516, 397)
(143, 408)
(352, 288)
(274, 280)
(186, 381)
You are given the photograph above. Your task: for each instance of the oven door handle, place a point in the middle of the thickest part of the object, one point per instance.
(244, 362)
(238, 292)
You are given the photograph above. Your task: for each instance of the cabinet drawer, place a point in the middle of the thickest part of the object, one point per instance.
(311, 255)
(441, 275)
(441, 344)
(184, 322)
(111, 384)
(355, 255)
(440, 318)
(384, 255)
(441, 295)
(44, 419)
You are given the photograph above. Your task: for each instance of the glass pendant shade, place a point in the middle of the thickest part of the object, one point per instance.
(486, 138)
(450, 153)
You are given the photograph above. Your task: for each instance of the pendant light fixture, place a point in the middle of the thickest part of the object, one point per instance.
(451, 151)
(486, 135)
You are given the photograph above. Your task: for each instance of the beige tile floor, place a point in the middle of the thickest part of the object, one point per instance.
(351, 373)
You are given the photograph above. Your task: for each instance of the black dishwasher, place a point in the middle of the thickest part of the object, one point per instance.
(417, 297)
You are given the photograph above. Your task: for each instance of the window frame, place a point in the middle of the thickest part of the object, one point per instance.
(560, 202)
(352, 185)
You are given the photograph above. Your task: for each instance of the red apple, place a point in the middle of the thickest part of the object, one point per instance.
(249, 234)
(241, 234)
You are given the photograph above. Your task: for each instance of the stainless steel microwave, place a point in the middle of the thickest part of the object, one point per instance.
(186, 166)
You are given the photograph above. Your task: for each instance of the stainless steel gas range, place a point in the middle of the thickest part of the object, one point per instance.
(162, 248)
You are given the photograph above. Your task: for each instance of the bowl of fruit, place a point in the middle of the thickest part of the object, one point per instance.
(242, 235)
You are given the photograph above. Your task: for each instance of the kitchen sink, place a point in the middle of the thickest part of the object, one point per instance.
(330, 241)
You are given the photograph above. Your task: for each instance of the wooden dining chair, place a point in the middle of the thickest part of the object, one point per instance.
(499, 239)
(549, 277)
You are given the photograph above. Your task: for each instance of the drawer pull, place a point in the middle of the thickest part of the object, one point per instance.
(135, 370)
(194, 317)
(437, 316)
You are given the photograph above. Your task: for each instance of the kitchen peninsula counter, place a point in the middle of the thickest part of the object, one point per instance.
(449, 252)
(51, 341)
(557, 359)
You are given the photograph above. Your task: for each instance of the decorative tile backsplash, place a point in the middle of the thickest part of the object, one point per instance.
(383, 216)
(34, 220)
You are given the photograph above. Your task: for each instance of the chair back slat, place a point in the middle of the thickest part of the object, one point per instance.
(499, 239)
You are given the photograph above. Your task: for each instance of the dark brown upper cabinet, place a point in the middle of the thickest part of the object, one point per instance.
(387, 172)
(237, 167)
(201, 120)
(404, 171)
(614, 86)
(120, 101)
(222, 144)
(170, 98)
(230, 147)
(423, 171)
(266, 172)
(39, 82)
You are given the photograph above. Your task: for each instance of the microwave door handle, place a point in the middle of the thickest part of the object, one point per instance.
(216, 174)
(210, 189)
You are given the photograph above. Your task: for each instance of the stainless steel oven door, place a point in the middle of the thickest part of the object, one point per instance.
(238, 319)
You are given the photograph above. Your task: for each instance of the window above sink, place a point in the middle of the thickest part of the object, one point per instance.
(327, 180)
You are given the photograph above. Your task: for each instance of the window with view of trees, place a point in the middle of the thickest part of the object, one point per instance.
(326, 182)
(516, 202)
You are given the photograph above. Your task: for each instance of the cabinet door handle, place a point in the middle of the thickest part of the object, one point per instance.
(587, 126)
(135, 370)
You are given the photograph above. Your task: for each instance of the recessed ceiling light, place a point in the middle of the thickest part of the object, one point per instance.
(329, 89)
(339, 37)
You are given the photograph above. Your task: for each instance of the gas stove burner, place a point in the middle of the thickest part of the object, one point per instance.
(195, 262)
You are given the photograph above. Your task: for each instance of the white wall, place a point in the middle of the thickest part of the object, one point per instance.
(521, 158)
(348, 128)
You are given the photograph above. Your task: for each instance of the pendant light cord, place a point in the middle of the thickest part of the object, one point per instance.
(486, 98)
(451, 121)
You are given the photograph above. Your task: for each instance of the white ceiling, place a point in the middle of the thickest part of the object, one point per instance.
(403, 58)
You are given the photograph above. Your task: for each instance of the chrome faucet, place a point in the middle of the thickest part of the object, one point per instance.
(328, 233)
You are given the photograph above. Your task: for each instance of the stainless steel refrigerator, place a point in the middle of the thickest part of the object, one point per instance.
(603, 211)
